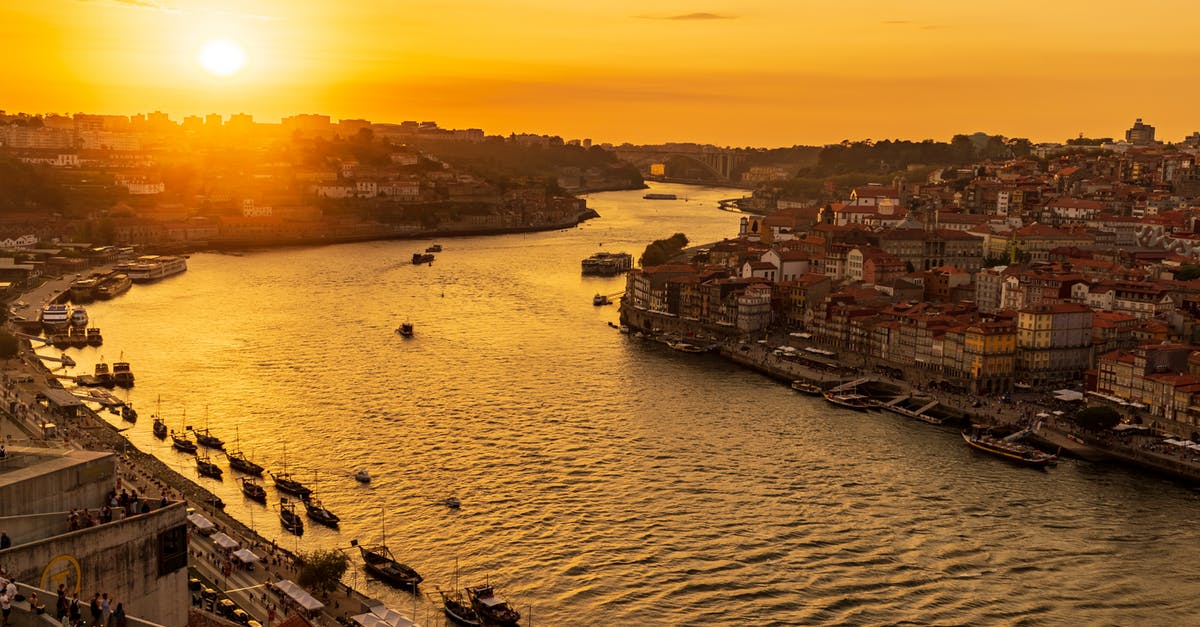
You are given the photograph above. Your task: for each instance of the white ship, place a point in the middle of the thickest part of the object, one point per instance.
(153, 267)
(79, 317)
(55, 316)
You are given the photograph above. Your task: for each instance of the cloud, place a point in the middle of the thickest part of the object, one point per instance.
(689, 16)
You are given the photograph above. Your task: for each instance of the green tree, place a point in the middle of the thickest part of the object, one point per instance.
(1098, 418)
(662, 250)
(1187, 272)
(322, 570)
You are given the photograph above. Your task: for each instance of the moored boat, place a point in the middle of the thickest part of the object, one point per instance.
(206, 468)
(82, 289)
(252, 489)
(55, 317)
(79, 317)
(78, 336)
(182, 443)
(458, 609)
(686, 347)
(204, 437)
(93, 337)
(104, 376)
(153, 267)
(122, 374)
(490, 608)
(318, 512)
(160, 428)
(379, 562)
(807, 387)
(114, 285)
(1012, 451)
(285, 483)
(289, 518)
(849, 400)
(129, 413)
(238, 461)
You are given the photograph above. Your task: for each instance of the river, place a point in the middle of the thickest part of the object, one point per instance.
(606, 480)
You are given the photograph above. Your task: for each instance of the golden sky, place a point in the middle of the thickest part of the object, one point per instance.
(750, 72)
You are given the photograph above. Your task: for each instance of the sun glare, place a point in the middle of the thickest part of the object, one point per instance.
(221, 57)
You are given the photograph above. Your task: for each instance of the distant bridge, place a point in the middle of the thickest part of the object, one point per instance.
(686, 162)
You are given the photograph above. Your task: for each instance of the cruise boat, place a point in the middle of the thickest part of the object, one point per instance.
(1012, 451)
(83, 290)
(61, 340)
(490, 608)
(607, 264)
(112, 286)
(653, 196)
(78, 336)
(420, 258)
(79, 317)
(849, 400)
(55, 317)
(687, 348)
(150, 268)
(94, 338)
(122, 375)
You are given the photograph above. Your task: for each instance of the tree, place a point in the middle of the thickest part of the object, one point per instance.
(322, 570)
(1098, 418)
(8, 345)
(1187, 272)
(662, 250)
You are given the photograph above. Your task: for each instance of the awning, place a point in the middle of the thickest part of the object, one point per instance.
(246, 556)
(201, 523)
(381, 616)
(1068, 395)
(298, 594)
(225, 542)
(60, 398)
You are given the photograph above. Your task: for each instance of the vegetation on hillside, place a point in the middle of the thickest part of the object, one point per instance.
(661, 251)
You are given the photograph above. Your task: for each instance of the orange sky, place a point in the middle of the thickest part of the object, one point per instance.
(752, 72)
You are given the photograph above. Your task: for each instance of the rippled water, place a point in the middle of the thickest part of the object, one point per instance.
(606, 480)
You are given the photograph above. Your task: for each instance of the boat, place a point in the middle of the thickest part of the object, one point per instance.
(93, 337)
(204, 437)
(452, 502)
(318, 512)
(149, 268)
(849, 400)
(238, 460)
(687, 348)
(363, 476)
(252, 489)
(122, 375)
(654, 196)
(807, 387)
(420, 258)
(114, 285)
(381, 564)
(78, 336)
(182, 443)
(285, 483)
(458, 608)
(624, 328)
(290, 519)
(607, 264)
(600, 299)
(405, 329)
(104, 376)
(79, 317)
(82, 290)
(61, 340)
(490, 608)
(1010, 450)
(129, 413)
(206, 468)
(160, 428)
(55, 317)
(436, 248)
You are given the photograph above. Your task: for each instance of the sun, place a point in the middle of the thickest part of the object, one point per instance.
(221, 57)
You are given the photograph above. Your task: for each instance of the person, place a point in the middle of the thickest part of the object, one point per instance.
(5, 541)
(105, 609)
(34, 606)
(118, 616)
(94, 607)
(60, 606)
(74, 611)
(5, 608)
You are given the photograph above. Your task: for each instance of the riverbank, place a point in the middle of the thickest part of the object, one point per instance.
(1017, 413)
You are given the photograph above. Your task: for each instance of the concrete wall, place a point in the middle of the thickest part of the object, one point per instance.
(120, 558)
(57, 482)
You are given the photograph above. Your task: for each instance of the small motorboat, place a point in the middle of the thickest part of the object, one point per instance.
(452, 502)
(405, 329)
(600, 299)
(363, 476)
